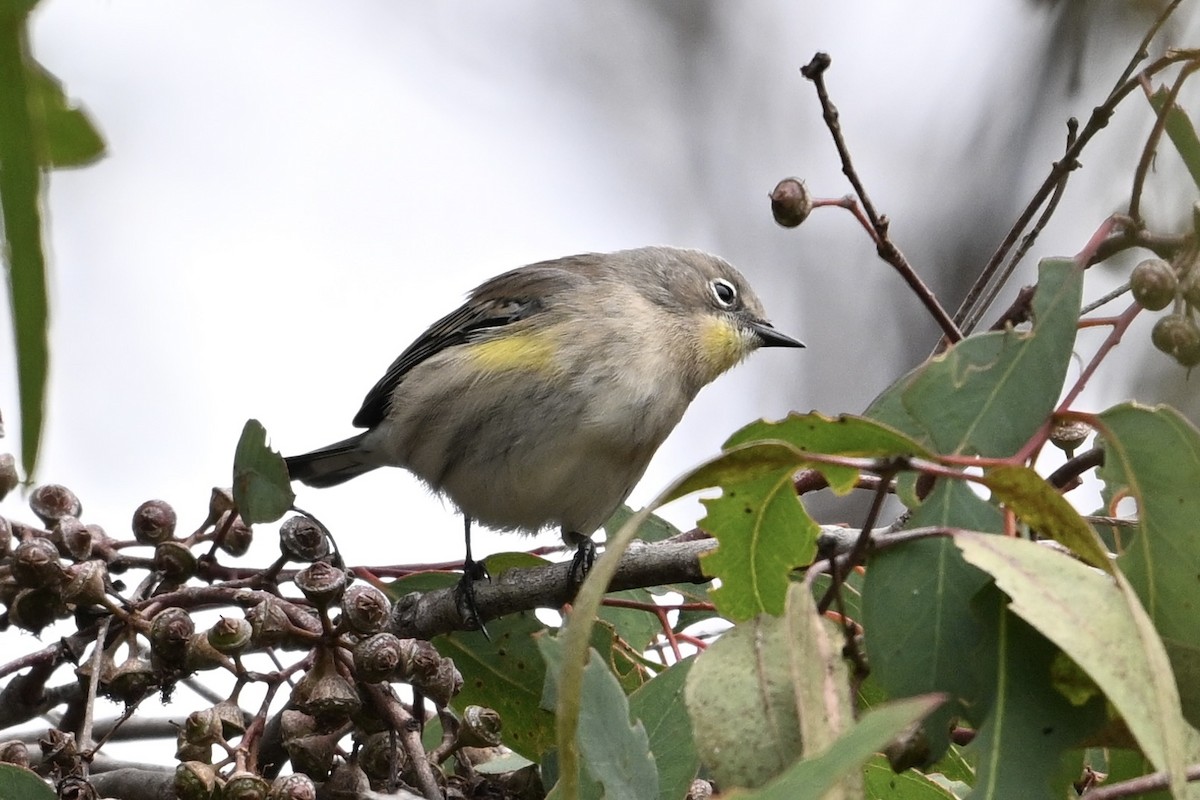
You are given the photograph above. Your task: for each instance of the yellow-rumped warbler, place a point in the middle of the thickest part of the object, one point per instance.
(540, 400)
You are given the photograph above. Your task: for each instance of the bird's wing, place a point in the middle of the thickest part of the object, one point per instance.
(503, 300)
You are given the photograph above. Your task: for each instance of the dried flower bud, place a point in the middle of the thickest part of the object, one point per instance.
(35, 563)
(202, 727)
(9, 479)
(378, 754)
(1153, 284)
(376, 658)
(170, 632)
(195, 780)
(302, 539)
(175, 561)
(50, 502)
(1178, 336)
(230, 635)
(324, 693)
(312, 754)
(790, 202)
(480, 727)
(269, 623)
(154, 522)
(14, 752)
(321, 582)
(293, 787)
(75, 538)
(245, 786)
(59, 749)
(132, 680)
(33, 609)
(85, 583)
(366, 609)
(237, 538)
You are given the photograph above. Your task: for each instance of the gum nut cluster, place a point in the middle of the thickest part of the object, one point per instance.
(1156, 284)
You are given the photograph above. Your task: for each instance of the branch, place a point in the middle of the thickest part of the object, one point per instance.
(423, 616)
(1135, 786)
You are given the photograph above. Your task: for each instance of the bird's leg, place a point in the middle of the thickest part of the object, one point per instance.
(585, 555)
(472, 571)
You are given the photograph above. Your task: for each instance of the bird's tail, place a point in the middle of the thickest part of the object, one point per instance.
(330, 465)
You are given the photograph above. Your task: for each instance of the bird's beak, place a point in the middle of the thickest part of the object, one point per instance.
(769, 337)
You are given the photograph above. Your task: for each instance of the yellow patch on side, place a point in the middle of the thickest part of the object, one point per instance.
(722, 345)
(533, 352)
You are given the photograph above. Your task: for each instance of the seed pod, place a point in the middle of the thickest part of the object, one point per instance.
(293, 787)
(1069, 435)
(85, 583)
(790, 202)
(170, 632)
(1189, 285)
(301, 539)
(6, 536)
(377, 756)
(245, 786)
(9, 479)
(202, 727)
(230, 635)
(376, 658)
(312, 754)
(269, 623)
(1153, 284)
(14, 752)
(75, 538)
(365, 608)
(1178, 336)
(321, 582)
(154, 522)
(132, 680)
(347, 780)
(35, 564)
(233, 719)
(175, 561)
(195, 780)
(237, 538)
(480, 727)
(33, 609)
(324, 693)
(201, 655)
(50, 502)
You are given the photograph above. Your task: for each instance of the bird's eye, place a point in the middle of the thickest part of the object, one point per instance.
(724, 292)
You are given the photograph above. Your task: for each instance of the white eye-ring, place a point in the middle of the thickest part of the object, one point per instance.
(724, 293)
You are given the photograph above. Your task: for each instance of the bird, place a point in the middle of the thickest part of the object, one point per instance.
(540, 401)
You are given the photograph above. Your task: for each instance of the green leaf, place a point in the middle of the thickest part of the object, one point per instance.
(1153, 455)
(1040, 506)
(915, 609)
(883, 784)
(653, 529)
(855, 437)
(262, 489)
(764, 689)
(71, 138)
(635, 627)
(816, 778)
(614, 750)
(1030, 726)
(1181, 132)
(1101, 626)
(660, 706)
(507, 674)
(990, 393)
(20, 205)
(23, 783)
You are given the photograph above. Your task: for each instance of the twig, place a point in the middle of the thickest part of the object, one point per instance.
(1151, 146)
(1140, 785)
(815, 72)
(409, 731)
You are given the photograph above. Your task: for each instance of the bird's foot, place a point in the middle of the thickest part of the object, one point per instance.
(582, 561)
(468, 609)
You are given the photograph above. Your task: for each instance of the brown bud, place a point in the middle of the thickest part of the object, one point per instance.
(170, 632)
(245, 786)
(293, 787)
(321, 582)
(85, 583)
(324, 693)
(9, 479)
(366, 609)
(154, 522)
(480, 727)
(1153, 284)
(14, 752)
(35, 563)
(175, 561)
(790, 202)
(237, 538)
(202, 727)
(377, 756)
(75, 538)
(377, 657)
(230, 635)
(50, 502)
(302, 539)
(1178, 336)
(195, 780)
